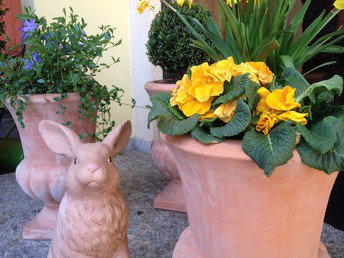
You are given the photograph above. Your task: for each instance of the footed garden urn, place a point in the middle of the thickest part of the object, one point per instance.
(235, 210)
(172, 196)
(42, 173)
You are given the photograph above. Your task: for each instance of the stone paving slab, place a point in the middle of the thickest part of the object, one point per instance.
(152, 233)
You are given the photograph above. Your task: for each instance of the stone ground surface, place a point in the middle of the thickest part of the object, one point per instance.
(152, 233)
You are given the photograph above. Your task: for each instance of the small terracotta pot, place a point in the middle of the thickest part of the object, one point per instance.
(234, 210)
(171, 197)
(42, 173)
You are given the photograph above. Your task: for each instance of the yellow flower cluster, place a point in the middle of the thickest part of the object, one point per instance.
(195, 95)
(278, 105)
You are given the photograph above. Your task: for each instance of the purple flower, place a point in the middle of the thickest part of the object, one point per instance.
(28, 65)
(28, 26)
(83, 33)
(35, 57)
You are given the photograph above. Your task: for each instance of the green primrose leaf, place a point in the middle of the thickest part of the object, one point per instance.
(201, 135)
(331, 161)
(321, 136)
(295, 79)
(168, 121)
(239, 122)
(272, 150)
(323, 91)
(233, 89)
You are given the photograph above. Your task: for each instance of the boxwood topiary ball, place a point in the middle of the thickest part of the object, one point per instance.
(169, 43)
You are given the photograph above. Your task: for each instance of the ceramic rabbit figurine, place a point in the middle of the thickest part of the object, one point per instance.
(93, 217)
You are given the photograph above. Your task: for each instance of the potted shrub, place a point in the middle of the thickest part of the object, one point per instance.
(55, 80)
(258, 148)
(169, 46)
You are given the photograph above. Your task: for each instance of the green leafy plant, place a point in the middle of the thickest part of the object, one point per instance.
(61, 58)
(260, 31)
(169, 41)
(229, 101)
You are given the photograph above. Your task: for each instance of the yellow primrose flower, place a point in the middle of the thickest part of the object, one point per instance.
(264, 74)
(180, 93)
(266, 121)
(223, 69)
(208, 115)
(262, 106)
(226, 111)
(282, 100)
(193, 107)
(205, 83)
(294, 116)
(186, 103)
(339, 4)
(143, 4)
(244, 68)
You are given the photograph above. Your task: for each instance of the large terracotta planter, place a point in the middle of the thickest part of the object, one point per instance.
(172, 196)
(42, 173)
(234, 210)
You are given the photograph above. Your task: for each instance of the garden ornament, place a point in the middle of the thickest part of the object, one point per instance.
(93, 217)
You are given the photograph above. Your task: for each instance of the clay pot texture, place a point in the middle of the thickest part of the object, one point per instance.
(172, 196)
(42, 173)
(234, 210)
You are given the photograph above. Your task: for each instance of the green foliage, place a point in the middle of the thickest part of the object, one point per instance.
(260, 31)
(321, 136)
(322, 92)
(233, 89)
(201, 135)
(272, 150)
(239, 122)
(170, 121)
(322, 139)
(62, 58)
(322, 157)
(169, 41)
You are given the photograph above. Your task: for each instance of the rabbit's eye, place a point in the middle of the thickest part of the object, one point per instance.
(76, 161)
(110, 159)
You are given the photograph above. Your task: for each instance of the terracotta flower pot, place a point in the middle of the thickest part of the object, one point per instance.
(171, 197)
(42, 173)
(234, 210)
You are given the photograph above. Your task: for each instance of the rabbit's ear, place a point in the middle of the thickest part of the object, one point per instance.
(59, 138)
(118, 138)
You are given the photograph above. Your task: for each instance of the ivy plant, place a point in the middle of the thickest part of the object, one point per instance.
(61, 57)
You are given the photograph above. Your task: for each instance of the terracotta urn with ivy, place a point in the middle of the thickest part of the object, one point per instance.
(55, 80)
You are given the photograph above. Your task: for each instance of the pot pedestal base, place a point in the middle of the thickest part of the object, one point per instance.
(41, 226)
(171, 198)
(186, 247)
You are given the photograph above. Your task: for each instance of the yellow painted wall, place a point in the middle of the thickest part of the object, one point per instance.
(95, 13)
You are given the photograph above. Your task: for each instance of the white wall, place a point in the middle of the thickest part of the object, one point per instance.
(142, 70)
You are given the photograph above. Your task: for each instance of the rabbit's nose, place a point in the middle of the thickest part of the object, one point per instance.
(92, 167)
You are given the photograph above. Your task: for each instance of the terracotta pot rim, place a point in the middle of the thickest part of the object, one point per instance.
(224, 149)
(49, 97)
(157, 85)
